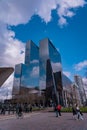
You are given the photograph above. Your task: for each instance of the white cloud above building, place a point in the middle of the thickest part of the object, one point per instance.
(25, 9)
(80, 65)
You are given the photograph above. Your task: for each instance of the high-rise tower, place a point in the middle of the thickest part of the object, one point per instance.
(47, 52)
(79, 82)
(39, 79)
(26, 75)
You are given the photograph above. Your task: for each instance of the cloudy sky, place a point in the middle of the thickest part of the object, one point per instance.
(64, 22)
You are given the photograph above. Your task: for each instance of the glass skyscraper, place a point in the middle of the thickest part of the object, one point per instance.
(41, 74)
(79, 82)
(50, 71)
(26, 77)
(17, 79)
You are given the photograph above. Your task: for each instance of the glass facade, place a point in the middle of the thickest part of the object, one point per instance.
(50, 71)
(31, 53)
(79, 82)
(26, 75)
(40, 77)
(17, 79)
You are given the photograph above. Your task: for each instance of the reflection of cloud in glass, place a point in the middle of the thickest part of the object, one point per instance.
(35, 71)
(33, 91)
(43, 65)
(16, 82)
(22, 78)
(42, 82)
(43, 77)
(56, 66)
(16, 86)
(30, 86)
(34, 61)
(18, 69)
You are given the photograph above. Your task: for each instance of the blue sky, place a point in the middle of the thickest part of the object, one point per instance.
(64, 22)
(70, 39)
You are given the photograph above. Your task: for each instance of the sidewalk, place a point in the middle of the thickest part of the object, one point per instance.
(13, 116)
(44, 121)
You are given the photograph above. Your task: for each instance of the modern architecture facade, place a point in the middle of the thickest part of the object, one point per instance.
(76, 95)
(79, 82)
(26, 76)
(40, 78)
(67, 83)
(85, 88)
(5, 72)
(50, 71)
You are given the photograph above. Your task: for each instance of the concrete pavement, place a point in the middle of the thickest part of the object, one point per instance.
(44, 121)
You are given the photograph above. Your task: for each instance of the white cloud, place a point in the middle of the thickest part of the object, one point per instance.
(56, 66)
(68, 74)
(25, 9)
(35, 71)
(10, 55)
(34, 61)
(65, 9)
(10, 48)
(80, 65)
(42, 84)
(84, 80)
(62, 21)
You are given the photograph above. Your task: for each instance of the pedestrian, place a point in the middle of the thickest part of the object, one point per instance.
(30, 108)
(19, 111)
(79, 113)
(55, 110)
(74, 111)
(58, 110)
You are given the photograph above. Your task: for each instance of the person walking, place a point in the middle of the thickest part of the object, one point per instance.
(19, 111)
(74, 111)
(58, 110)
(79, 114)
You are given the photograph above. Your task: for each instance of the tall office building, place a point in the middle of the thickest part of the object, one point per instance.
(31, 53)
(40, 78)
(50, 70)
(79, 82)
(17, 79)
(26, 76)
(30, 71)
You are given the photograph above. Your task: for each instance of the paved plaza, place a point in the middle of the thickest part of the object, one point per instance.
(43, 121)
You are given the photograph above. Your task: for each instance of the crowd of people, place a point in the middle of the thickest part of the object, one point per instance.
(18, 109)
(77, 114)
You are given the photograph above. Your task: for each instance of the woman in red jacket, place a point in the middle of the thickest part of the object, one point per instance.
(58, 110)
